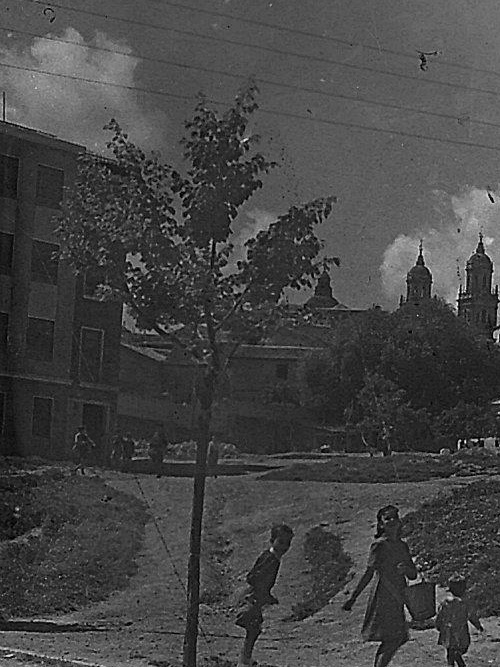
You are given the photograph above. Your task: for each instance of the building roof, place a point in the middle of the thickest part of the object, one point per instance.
(273, 351)
(33, 135)
(144, 351)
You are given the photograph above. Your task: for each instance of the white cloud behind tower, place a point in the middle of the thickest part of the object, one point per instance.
(447, 247)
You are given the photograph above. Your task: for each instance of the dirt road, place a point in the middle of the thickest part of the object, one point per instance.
(144, 623)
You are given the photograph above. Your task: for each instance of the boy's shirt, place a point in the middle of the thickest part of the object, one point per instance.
(262, 576)
(452, 621)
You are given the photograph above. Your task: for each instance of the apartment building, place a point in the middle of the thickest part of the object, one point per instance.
(59, 346)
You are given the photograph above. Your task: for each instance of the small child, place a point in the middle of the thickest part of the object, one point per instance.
(261, 579)
(452, 620)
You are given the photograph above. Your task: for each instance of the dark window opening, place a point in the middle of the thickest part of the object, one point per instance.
(49, 186)
(9, 167)
(91, 281)
(3, 406)
(4, 329)
(6, 247)
(44, 262)
(42, 417)
(282, 371)
(91, 346)
(40, 339)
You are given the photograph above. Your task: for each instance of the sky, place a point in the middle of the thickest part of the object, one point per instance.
(345, 110)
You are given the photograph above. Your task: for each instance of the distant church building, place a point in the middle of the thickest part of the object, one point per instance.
(418, 282)
(478, 303)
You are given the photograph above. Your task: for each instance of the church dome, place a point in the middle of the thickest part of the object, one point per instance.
(479, 259)
(419, 271)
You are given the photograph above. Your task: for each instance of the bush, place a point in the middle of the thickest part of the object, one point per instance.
(458, 533)
(83, 541)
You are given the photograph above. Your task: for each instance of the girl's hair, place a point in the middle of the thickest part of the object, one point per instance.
(280, 528)
(457, 585)
(383, 510)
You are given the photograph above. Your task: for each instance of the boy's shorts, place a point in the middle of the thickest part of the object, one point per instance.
(249, 615)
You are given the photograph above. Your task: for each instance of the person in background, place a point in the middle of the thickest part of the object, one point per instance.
(452, 622)
(389, 564)
(213, 457)
(128, 451)
(84, 448)
(260, 580)
(116, 451)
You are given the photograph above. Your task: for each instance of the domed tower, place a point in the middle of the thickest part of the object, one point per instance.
(478, 304)
(323, 294)
(418, 282)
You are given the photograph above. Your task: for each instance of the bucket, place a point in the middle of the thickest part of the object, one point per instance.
(421, 600)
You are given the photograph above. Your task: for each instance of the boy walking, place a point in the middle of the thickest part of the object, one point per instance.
(260, 580)
(452, 621)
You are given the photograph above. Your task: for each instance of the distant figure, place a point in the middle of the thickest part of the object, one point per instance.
(128, 451)
(260, 580)
(480, 442)
(213, 457)
(116, 451)
(84, 448)
(453, 617)
(157, 448)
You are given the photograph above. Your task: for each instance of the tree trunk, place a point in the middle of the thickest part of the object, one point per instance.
(193, 581)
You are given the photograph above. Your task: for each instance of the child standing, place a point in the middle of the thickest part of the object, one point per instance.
(452, 621)
(260, 580)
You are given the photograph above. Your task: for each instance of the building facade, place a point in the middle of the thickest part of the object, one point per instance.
(59, 346)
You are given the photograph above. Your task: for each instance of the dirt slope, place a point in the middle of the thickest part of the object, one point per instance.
(145, 622)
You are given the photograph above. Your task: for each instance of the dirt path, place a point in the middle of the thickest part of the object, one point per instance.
(145, 622)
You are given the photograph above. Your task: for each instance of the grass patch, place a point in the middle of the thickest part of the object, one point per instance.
(459, 532)
(391, 469)
(396, 468)
(328, 567)
(74, 541)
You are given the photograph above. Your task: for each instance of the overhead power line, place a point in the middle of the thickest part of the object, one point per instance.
(328, 38)
(269, 49)
(208, 70)
(274, 112)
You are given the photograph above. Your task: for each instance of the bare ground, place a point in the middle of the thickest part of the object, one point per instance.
(144, 623)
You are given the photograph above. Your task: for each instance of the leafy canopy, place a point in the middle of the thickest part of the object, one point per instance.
(160, 237)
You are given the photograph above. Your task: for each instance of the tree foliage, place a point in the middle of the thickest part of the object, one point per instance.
(423, 371)
(162, 235)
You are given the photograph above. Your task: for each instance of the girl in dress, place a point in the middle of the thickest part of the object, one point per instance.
(452, 621)
(389, 564)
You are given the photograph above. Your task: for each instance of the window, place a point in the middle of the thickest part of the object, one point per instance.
(43, 262)
(49, 186)
(3, 406)
(282, 371)
(8, 176)
(4, 328)
(42, 417)
(40, 339)
(92, 279)
(6, 245)
(91, 346)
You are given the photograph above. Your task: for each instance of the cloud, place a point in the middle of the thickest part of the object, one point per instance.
(248, 225)
(72, 109)
(446, 248)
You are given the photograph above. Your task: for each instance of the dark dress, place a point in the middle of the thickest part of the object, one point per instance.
(260, 580)
(385, 618)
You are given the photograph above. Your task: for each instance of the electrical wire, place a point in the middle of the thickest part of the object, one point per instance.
(269, 49)
(280, 84)
(274, 112)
